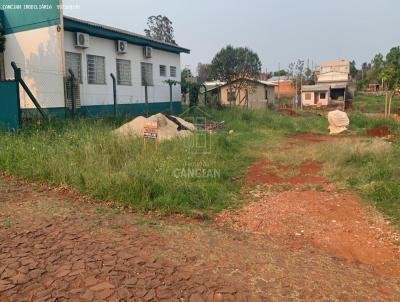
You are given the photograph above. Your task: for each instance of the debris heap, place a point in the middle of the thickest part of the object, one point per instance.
(169, 127)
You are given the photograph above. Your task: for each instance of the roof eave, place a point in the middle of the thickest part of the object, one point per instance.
(74, 25)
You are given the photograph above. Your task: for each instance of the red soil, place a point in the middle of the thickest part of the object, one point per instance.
(338, 223)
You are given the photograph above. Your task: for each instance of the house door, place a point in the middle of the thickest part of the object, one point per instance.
(316, 98)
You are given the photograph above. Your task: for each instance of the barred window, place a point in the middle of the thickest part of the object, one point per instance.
(124, 72)
(96, 70)
(172, 71)
(73, 61)
(147, 74)
(163, 70)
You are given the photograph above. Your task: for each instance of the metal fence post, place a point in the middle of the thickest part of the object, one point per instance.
(114, 94)
(146, 97)
(72, 92)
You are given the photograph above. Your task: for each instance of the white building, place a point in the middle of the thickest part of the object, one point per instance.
(92, 52)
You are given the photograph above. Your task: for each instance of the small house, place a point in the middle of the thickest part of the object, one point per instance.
(255, 94)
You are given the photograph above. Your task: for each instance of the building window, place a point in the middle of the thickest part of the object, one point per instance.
(124, 72)
(308, 96)
(163, 71)
(147, 74)
(172, 71)
(96, 70)
(322, 95)
(73, 61)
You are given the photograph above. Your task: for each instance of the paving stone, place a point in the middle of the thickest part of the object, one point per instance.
(88, 295)
(102, 286)
(104, 294)
(150, 296)
(6, 285)
(124, 293)
(90, 281)
(165, 293)
(20, 279)
(196, 298)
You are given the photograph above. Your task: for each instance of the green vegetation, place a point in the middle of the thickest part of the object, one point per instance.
(87, 156)
(369, 166)
(374, 104)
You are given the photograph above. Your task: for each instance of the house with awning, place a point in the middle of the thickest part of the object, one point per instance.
(332, 83)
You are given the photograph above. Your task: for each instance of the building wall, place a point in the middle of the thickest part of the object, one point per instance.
(257, 98)
(38, 52)
(333, 77)
(285, 89)
(311, 102)
(92, 94)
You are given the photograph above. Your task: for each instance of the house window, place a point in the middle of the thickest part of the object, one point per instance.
(322, 95)
(96, 70)
(163, 70)
(308, 96)
(73, 61)
(172, 71)
(124, 72)
(147, 74)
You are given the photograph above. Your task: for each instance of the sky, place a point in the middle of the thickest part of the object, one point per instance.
(280, 31)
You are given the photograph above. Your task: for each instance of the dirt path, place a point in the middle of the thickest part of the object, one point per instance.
(300, 208)
(55, 246)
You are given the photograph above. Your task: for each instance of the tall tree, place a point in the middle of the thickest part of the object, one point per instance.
(353, 69)
(237, 67)
(204, 72)
(160, 28)
(2, 48)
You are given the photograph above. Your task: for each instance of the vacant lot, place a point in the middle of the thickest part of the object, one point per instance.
(374, 104)
(292, 214)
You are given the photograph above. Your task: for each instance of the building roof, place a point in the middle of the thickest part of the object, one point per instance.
(222, 84)
(312, 88)
(108, 32)
(281, 78)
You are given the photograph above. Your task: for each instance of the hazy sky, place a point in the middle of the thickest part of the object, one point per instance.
(280, 31)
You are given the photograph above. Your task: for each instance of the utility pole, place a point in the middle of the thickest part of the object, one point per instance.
(279, 81)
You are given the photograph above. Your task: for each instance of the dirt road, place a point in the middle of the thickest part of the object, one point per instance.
(293, 245)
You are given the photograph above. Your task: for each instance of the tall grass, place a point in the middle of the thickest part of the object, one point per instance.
(87, 156)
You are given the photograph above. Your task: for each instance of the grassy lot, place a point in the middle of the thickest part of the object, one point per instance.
(374, 104)
(87, 156)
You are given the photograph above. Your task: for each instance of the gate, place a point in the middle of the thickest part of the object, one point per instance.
(9, 106)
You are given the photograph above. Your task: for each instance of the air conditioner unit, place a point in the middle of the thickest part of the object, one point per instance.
(82, 40)
(147, 52)
(122, 46)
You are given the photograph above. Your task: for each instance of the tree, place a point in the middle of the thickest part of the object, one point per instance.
(237, 67)
(204, 72)
(160, 28)
(353, 69)
(185, 74)
(296, 72)
(391, 77)
(2, 48)
(280, 73)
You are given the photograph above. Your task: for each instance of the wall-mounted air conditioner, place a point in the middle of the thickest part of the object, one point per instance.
(147, 52)
(82, 40)
(122, 46)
